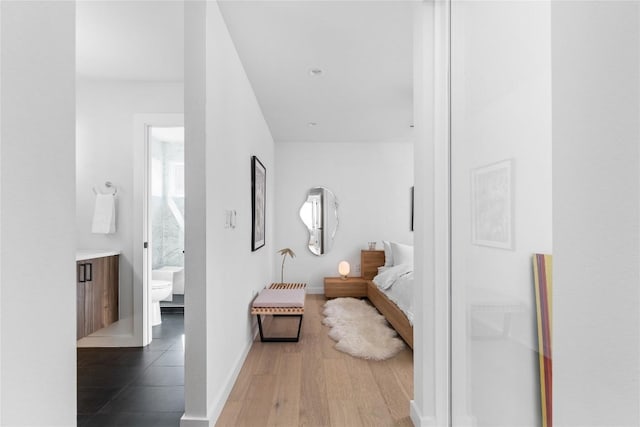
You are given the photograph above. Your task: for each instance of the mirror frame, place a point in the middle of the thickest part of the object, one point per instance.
(321, 239)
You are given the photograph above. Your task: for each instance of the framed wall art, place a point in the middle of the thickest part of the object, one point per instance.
(412, 206)
(258, 203)
(542, 276)
(492, 206)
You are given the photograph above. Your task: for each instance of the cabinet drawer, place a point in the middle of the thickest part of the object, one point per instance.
(336, 287)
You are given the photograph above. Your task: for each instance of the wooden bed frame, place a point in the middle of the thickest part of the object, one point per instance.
(370, 261)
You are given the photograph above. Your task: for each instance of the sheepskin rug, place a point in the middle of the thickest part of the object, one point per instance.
(360, 330)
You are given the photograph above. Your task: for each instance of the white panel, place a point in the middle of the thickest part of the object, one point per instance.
(501, 110)
(37, 262)
(196, 388)
(596, 195)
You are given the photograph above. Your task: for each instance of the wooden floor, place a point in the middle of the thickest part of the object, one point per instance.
(310, 383)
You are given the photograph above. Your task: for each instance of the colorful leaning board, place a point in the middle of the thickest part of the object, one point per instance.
(542, 273)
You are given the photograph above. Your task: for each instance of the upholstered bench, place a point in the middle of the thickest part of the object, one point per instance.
(280, 299)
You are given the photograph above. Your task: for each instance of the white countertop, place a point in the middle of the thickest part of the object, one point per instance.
(83, 254)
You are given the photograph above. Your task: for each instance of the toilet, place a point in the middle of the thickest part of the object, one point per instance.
(160, 289)
(177, 277)
(174, 274)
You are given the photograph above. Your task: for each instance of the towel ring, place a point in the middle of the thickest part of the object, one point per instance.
(109, 185)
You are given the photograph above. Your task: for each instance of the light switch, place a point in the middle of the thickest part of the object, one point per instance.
(230, 218)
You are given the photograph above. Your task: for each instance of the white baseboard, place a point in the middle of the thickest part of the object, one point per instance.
(194, 422)
(420, 420)
(219, 402)
(215, 409)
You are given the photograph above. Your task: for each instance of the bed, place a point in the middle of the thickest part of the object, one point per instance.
(370, 261)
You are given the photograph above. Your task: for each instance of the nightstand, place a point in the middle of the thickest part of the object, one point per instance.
(336, 287)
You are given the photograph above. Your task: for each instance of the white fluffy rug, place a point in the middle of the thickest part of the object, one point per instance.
(360, 330)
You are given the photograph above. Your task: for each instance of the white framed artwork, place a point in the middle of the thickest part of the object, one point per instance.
(492, 206)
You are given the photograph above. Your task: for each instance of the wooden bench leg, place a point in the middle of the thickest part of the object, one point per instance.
(282, 339)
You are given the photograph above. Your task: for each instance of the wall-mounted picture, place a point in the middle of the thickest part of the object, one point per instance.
(412, 204)
(491, 205)
(258, 203)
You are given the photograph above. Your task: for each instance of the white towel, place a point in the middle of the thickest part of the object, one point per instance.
(104, 215)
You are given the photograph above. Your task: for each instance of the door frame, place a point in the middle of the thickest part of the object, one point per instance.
(431, 404)
(141, 224)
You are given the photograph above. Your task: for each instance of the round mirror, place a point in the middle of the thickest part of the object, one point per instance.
(320, 215)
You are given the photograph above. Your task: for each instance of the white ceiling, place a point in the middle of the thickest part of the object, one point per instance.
(363, 47)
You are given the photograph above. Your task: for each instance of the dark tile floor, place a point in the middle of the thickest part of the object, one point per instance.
(134, 386)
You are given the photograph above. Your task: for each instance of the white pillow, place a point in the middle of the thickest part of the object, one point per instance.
(387, 278)
(388, 254)
(382, 269)
(402, 254)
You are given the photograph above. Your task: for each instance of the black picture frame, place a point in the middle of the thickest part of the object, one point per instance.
(412, 198)
(258, 203)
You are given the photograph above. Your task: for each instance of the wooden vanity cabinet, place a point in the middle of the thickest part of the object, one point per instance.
(96, 294)
(110, 290)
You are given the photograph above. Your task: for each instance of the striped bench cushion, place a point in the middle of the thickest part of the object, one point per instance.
(279, 298)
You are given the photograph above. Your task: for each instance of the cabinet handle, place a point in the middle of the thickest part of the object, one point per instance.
(89, 271)
(81, 273)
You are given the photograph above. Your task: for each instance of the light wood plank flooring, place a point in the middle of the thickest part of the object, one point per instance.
(310, 383)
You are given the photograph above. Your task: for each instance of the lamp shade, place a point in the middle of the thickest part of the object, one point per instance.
(344, 269)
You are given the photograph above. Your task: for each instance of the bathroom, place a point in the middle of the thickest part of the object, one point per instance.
(166, 214)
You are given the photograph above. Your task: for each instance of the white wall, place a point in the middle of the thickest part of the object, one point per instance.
(501, 109)
(38, 372)
(371, 181)
(105, 152)
(596, 166)
(224, 128)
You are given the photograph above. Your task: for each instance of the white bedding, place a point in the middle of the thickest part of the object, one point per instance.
(397, 283)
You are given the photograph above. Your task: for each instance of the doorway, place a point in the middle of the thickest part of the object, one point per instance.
(166, 220)
(159, 216)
